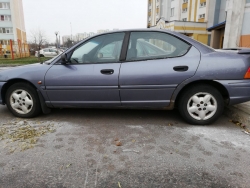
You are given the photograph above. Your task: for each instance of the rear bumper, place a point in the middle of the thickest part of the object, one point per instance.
(238, 90)
(1, 86)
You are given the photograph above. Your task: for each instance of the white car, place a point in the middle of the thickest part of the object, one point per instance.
(48, 52)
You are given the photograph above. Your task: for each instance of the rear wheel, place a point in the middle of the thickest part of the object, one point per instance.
(22, 100)
(41, 55)
(201, 104)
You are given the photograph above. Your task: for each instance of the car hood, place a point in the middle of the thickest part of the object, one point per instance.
(27, 72)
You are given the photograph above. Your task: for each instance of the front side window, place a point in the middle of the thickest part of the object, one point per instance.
(102, 49)
(52, 50)
(154, 45)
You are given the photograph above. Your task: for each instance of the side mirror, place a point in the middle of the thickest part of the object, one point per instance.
(64, 58)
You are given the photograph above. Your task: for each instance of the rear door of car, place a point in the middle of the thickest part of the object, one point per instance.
(90, 79)
(155, 64)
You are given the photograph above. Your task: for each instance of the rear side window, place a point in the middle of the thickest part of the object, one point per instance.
(154, 45)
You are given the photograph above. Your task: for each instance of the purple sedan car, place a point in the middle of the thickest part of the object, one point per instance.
(143, 69)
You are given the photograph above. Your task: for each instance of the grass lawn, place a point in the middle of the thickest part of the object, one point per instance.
(22, 61)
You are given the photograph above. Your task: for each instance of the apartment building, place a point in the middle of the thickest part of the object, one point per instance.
(172, 10)
(185, 16)
(65, 38)
(102, 31)
(218, 23)
(229, 25)
(12, 22)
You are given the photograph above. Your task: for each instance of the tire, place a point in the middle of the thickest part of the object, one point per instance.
(41, 55)
(201, 104)
(22, 100)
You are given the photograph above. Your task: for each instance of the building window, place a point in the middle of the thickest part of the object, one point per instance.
(5, 18)
(4, 5)
(6, 30)
(185, 1)
(184, 10)
(5, 42)
(184, 19)
(201, 16)
(172, 12)
(203, 4)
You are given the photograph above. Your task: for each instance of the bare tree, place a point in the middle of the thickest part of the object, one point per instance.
(68, 43)
(38, 38)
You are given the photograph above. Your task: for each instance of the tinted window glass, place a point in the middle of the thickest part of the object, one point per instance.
(52, 50)
(105, 48)
(151, 45)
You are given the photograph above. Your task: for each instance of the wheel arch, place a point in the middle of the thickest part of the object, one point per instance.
(222, 89)
(10, 83)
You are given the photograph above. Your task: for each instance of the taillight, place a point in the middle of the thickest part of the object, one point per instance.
(247, 75)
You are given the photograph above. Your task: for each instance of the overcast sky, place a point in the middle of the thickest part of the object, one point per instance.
(84, 15)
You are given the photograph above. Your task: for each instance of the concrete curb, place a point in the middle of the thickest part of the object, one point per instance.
(9, 65)
(237, 113)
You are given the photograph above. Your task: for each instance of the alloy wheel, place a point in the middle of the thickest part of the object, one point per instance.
(202, 106)
(21, 101)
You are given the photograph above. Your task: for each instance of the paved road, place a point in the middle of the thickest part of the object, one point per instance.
(3, 68)
(157, 149)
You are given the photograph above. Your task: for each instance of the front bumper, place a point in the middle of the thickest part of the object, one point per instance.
(1, 86)
(239, 90)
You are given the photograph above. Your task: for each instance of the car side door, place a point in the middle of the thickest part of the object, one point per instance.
(90, 78)
(46, 52)
(53, 52)
(155, 64)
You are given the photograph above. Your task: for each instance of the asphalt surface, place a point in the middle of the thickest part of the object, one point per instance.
(4, 68)
(157, 149)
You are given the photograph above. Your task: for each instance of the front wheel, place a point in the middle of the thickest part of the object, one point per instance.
(22, 100)
(201, 105)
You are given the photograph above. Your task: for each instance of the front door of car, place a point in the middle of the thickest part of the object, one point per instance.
(53, 52)
(90, 79)
(156, 63)
(46, 53)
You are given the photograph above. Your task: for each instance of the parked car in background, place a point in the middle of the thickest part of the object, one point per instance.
(48, 52)
(143, 69)
(63, 48)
